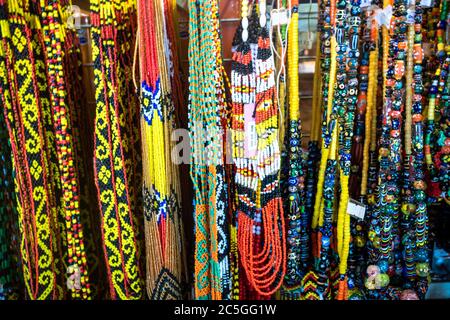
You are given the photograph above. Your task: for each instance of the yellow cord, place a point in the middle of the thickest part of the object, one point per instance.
(294, 101)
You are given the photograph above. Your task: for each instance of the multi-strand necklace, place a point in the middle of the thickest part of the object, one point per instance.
(207, 107)
(256, 154)
(54, 33)
(161, 189)
(117, 225)
(297, 221)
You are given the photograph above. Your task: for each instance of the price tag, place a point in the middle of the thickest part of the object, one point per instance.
(383, 16)
(251, 136)
(356, 209)
(426, 3)
(280, 18)
(82, 36)
(410, 14)
(365, 4)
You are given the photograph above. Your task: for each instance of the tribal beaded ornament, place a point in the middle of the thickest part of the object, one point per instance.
(297, 229)
(54, 33)
(23, 108)
(9, 253)
(256, 154)
(163, 228)
(207, 111)
(118, 229)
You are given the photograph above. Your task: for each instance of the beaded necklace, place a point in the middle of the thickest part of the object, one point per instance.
(418, 185)
(54, 33)
(346, 133)
(243, 67)
(26, 132)
(408, 197)
(297, 236)
(261, 234)
(322, 66)
(360, 147)
(161, 190)
(385, 236)
(328, 82)
(9, 278)
(118, 232)
(437, 87)
(337, 94)
(207, 107)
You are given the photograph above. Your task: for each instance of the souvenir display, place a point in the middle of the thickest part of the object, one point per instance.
(303, 185)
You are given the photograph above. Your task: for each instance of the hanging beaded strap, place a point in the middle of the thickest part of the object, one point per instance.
(111, 177)
(23, 115)
(9, 250)
(54, 32)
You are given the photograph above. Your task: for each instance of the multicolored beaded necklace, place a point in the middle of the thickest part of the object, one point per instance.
(297, 235)
(256, 154)
(207, 108)
(42, 144)
(53, 32)
(420, 218)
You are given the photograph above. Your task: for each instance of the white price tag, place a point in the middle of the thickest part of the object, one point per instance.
(279, 18)
(410, 14)
(365, 4)
(356, 209)
(251, 136)
(426, 3)
(383, 16)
